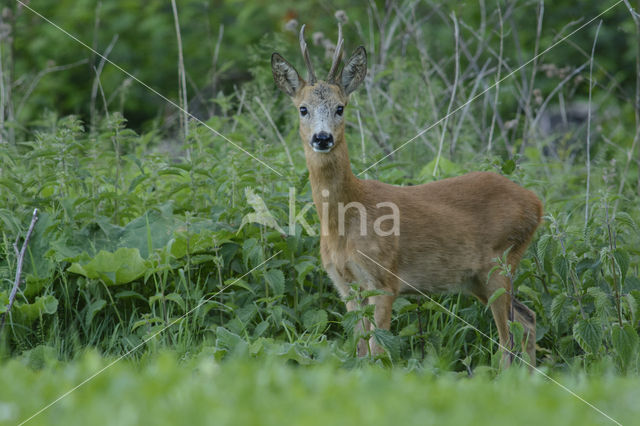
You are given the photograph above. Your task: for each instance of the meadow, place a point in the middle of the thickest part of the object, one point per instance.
(173, 272)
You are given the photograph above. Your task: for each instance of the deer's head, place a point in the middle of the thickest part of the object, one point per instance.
(321, 103)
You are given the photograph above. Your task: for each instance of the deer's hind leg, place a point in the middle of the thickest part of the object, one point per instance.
(527, 318)
(483, 289)
(501, 310)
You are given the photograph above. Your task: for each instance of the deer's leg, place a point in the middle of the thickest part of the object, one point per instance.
(527, 318)
(382, 317)
(500, 309)
(362, 327)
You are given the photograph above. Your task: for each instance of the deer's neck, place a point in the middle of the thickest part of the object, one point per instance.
(332, 183)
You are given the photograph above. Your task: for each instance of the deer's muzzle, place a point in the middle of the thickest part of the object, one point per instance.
(322, 142)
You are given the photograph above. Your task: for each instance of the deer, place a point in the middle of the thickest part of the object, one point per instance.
(444, 236)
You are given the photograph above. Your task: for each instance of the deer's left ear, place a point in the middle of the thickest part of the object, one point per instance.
(285, 75)
(354, 71)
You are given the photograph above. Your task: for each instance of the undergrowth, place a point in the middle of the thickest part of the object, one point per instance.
(189, 244)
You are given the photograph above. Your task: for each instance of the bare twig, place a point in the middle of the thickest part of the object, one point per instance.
(529, 87)
(453, 91)
(636, 138)
(495, 101)
(98, 71)
(240, 96)
(20, 254)
(593, 49)
(184, 119)
(216, 51)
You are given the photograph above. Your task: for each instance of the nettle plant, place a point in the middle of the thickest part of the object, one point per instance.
(591, 291)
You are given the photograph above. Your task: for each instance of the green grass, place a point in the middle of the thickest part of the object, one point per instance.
(166, 391)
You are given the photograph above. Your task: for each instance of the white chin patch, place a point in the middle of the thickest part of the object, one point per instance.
(323, 151)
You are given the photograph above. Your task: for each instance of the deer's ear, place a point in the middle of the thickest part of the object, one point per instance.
(354, 70)
(285, 75)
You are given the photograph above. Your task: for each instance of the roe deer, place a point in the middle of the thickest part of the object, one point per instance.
(445, 235)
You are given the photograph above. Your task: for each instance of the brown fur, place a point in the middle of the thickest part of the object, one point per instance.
(450, 230)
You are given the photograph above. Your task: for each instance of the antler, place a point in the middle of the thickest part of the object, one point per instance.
(337, 55)
(307, 60)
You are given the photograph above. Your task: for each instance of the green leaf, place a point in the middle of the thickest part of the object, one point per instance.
(508, 167)
(622, 259)
(409, 330)
(499, 292)
(445, 167)
(625, 342)
(303, 269)
(517, 330)
(275, 279)
(123, 266)
(176, 298)
(561, 265)
(350, 320)
(370, 293)
(93, 309)
(314, 318)
(541, 246)
(230, 341)
(601, 300)
(558, 306)
(588, 334)
(388, 341)
(625, 219)
(42, 305)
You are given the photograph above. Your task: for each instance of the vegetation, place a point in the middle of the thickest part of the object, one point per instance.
(156, 234)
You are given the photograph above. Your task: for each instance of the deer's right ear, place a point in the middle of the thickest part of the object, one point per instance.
(285, 75)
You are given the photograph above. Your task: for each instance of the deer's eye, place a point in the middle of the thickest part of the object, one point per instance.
(303, 111)
(340, 110)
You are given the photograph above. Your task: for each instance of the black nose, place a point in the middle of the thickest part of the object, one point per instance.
(322, 141)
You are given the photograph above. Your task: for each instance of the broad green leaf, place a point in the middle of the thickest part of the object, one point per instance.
(625, 219)
(601, 300)
(558, 308)
(541, 246)
(42, 305)
(561, 265)
(123, 266)
(303, 269)
(388, 341)
(230, 341)
(275, 279)
(152, 230)
(314, 318)
(350, 320)
(588, 334)
(93, 309)
(622, 259)
(625, 342)
(261, 328)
